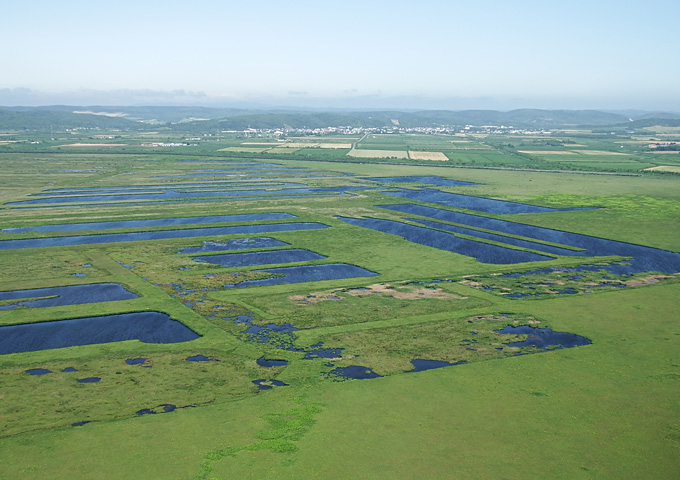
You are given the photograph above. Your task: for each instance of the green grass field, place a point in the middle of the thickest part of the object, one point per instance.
(609, 409)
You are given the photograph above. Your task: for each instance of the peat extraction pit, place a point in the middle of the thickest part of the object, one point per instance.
(147, 327)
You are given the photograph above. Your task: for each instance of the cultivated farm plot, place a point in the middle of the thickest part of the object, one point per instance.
(366, 153)
(665, 168)
(436, 156)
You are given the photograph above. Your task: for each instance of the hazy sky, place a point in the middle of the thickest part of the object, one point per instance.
(402, 54)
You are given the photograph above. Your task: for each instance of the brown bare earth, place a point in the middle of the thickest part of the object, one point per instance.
(652, 279)
(380, 289)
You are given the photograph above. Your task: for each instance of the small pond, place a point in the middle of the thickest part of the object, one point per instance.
(148, 327)
(543, 338)
(235, 244)
(420, 364)
(156, 235)
(269, 363)
(469, 202)
(157, 222)
(88, 380)
(432, 180)
(308, 273)
(200, 358)
(644, 258)
(482, 252)
(261, 258)
(67, 295)
(355, 372)
(263, 384)
(171, 194)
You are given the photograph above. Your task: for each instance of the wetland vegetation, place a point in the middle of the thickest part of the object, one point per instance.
(298, 295)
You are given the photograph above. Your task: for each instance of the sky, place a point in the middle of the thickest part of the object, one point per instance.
(427, 54)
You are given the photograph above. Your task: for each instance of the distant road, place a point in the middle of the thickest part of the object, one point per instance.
(354, 145)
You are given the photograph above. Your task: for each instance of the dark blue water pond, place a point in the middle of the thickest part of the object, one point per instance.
(135, 361)
(80, 424)
(543, 338)
(420, 364)
(263, 362)
(185, 194)
(432, 180)
(319, 351)
(279, 336)
(265, 333)
(156, 235)
(200, 358)
(88, 380)
(355, 371)
(68, 295)
(235, 244)
(263, 384)
(472, 203)
(167, 407)
(482, 252)
(282, 171)
(69, 369)
(497, 238)
(185, 201)
(158, 222)
(148, 327)
(228, 183)
(249, 168)
(38, 371)
(308, 273)
(162, 189)
(644, 258)
(261, 258)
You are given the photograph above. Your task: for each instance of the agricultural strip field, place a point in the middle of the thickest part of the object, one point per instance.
(296, 321)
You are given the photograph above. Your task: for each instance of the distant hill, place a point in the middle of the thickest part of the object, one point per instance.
(151, 114)
(427, 118)
(45, 120)
(203, 119)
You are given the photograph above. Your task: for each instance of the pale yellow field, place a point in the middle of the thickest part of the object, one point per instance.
(377, 153)
(335, 145)
(437, 156)
(664, 168)
(264, 144)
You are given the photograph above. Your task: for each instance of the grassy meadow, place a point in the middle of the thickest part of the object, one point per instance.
(609, 409)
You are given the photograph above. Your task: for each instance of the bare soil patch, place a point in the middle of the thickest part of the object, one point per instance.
(401, 292)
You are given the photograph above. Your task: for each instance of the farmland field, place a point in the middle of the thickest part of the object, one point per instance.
(313, 286)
